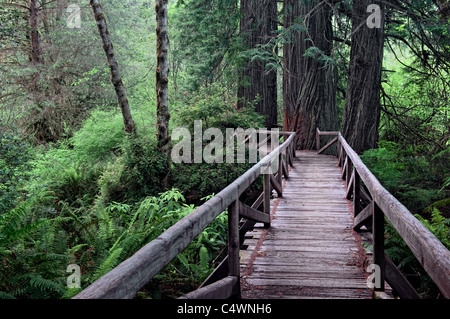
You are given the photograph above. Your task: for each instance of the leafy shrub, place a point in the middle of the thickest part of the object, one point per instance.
(32, 247)
(413, 178)
(37, 247)
(401, 255)
(110, 182)
(417, 181)
(135, 174)
(192, 265)
(438, 225)
(125, 230)
(100, 137)
(15, 154)
(199, 180)
(215, 108)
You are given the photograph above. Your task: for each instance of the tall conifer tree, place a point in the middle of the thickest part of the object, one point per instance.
(309, 79)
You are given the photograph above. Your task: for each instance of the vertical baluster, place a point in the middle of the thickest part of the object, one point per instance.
(378, 245)
(356, 194)
(280, 169)
(291, 153)
(339, 151)
(233, 244)
(318, 139)
(266, 190)
(348, 171)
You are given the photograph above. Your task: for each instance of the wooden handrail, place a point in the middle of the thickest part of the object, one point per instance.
(429, 251)
(124, 281)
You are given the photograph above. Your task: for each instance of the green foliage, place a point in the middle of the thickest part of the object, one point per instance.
(36, 248)
(152, 216)
(414, 178)
(418, 181)
(100, 138)
(135, 174)
(14, 157)
(198, 180)
(195, 263)
(401, 255)
(438, 225)
(31, 246)
(205, 50)
(215, 107)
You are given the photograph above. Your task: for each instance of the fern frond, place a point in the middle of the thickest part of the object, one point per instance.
(5, 295)
(109, 263)
(83, 226)
(46, 284)
(11, 228)
(10, 221)
(204, 258)
(182, 258)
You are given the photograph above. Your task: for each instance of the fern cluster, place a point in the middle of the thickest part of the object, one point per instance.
(416, 179)
(401, 255)
(36, 248)
(93, 200)
(30, 247)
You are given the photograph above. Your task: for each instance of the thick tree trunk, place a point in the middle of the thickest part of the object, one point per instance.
(162, 80)
(257, 26)
(116, 79)
(309, 85)
(362, 105)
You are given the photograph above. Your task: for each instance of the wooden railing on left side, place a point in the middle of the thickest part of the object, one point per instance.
(124, 281)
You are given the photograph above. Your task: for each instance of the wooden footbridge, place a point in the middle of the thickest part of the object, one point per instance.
(300, 239)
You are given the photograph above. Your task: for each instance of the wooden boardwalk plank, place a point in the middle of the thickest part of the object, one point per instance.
(310, 250)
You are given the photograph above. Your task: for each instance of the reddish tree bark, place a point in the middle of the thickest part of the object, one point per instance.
(257, 26)
(309, 85)
(362, 105)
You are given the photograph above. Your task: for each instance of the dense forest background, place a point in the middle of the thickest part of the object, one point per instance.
(77, 186)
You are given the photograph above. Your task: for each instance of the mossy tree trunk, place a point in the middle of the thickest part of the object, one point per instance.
(116, 79)
(162, 80)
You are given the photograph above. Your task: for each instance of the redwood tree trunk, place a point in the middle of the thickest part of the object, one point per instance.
(309, 85)
(257, 26)
(116, 79)
(362, 105)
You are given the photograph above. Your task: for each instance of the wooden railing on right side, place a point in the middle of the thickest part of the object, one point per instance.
(372, 206)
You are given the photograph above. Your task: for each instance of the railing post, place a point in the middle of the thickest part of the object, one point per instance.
(378, 245)
(234, 244)
(348, 171)
(318, 139)
(293, 149)
(339, 150)
(280, 170)
(356, 194)
(267, 188)
(289, 156)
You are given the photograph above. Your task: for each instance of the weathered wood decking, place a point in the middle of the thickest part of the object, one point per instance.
(310, 250)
